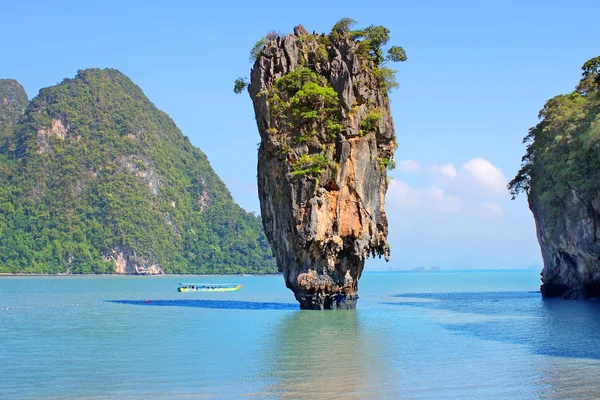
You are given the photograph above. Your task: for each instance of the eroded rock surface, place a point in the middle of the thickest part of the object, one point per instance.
(127, 262)
(326, 137)
(570, 248)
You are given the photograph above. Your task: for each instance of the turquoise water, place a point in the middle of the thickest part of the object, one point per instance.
(414, 335)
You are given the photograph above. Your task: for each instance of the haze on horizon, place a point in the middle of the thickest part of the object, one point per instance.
(476, 76)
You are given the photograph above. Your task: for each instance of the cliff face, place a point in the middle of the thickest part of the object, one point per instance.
(326, 138)
(561, 175)
(570, 247)
(101, 181)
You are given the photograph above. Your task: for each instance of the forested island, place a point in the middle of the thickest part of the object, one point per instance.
(561, 176)
(95, 179)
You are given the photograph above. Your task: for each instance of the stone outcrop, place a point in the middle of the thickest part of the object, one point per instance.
(57, 129)
(570, 248)
(127, 262)
(321, 163)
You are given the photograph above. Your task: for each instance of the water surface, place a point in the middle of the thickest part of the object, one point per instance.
(414, 335)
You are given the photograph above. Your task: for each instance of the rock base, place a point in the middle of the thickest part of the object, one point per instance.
(324, 301)
(553, 290)
(577, 292)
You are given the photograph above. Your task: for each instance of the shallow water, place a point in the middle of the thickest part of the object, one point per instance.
(414, 335)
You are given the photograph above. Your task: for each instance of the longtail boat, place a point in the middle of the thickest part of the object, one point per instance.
(209, 287)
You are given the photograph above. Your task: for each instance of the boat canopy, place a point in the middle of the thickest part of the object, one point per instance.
(213, 285)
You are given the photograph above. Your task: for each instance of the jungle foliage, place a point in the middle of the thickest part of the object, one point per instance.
(563, 149)
(97, 168)
(13, 101)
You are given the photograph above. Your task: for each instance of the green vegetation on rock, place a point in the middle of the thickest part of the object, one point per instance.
(239, 85)
(304, 102)
(372, 41)
(371, 48)
(257, 49)
(13, 101)
(370, 122)
(387, 163)
(99, 174)
(562, 154)
(310, 165)
(306, 106)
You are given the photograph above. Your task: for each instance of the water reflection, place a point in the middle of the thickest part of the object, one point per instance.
(568, 329)
(325, 355)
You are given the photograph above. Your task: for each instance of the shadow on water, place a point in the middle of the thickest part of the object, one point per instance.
(212, 304)
(553, 327)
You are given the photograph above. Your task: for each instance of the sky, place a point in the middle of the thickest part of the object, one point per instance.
(477, 74)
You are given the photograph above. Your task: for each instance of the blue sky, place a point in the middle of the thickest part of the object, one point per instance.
(477, 74)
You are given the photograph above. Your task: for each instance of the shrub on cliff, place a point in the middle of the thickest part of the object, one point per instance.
(372, 41)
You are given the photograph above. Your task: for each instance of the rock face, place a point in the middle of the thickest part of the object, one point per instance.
(570, 248)
(127, 262)
(560, 174)
(326, 139)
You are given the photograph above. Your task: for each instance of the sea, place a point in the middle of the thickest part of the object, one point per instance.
(442, 335)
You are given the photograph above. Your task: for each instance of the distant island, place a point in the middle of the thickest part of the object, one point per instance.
(426, 269)
(95, 179)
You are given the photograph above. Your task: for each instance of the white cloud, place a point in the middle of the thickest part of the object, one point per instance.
(463, 211)
(477, 177)
(491, 209)
(485, 174)
(433, 198)
(472, 190)
(449, 171)
(408, 166)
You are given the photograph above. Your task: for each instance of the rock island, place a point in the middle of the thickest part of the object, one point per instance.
(327, 138)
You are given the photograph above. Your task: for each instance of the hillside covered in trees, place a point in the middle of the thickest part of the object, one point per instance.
(561, 176)
(95, 179)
